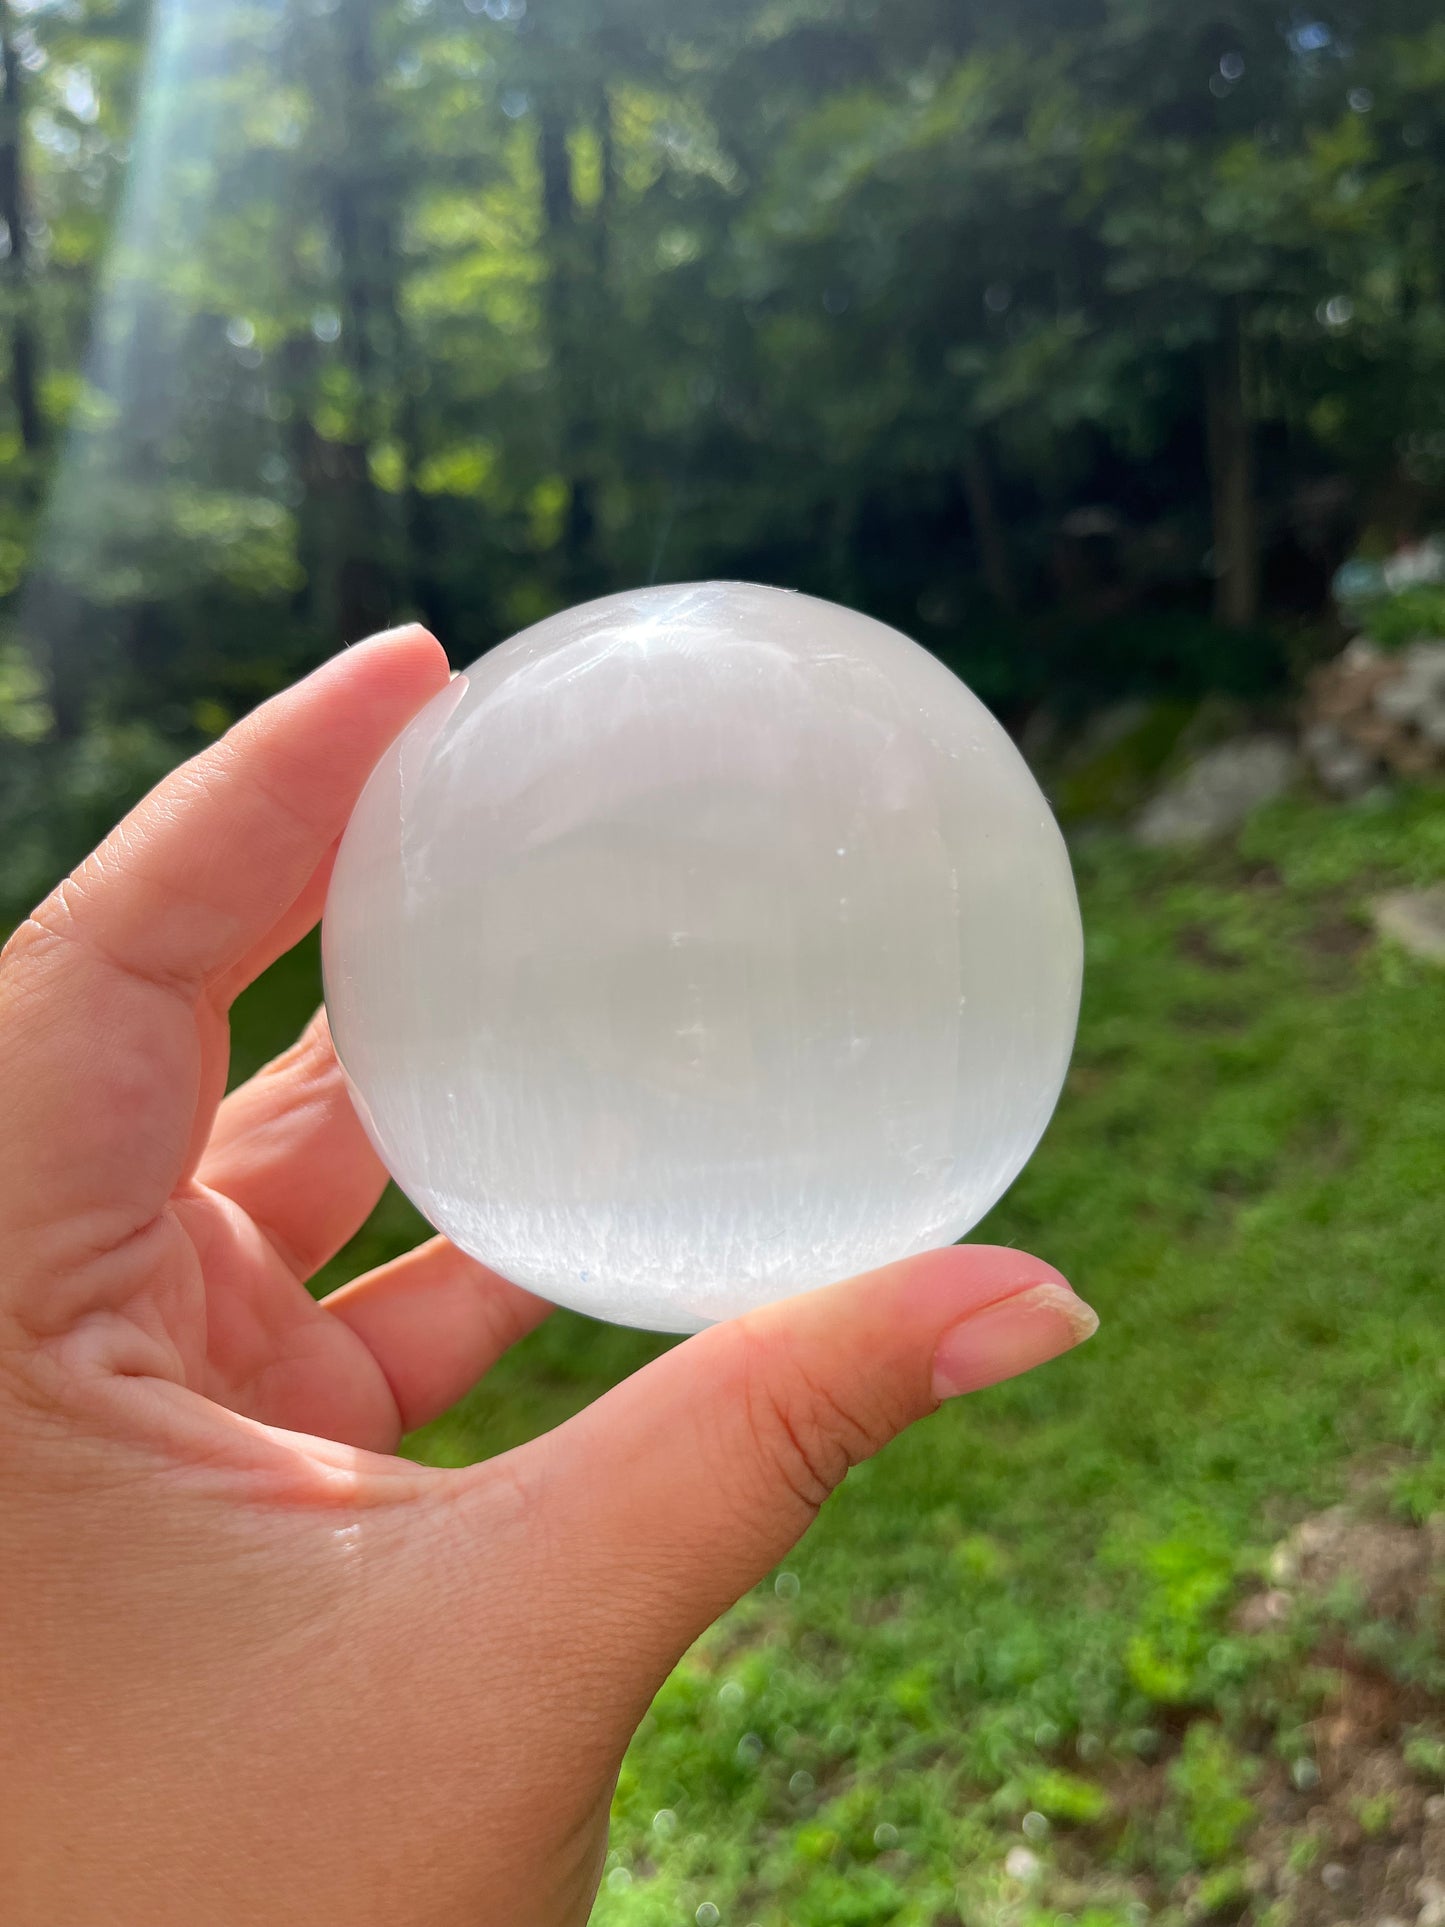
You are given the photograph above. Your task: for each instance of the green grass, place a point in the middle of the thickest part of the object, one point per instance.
(1018, 1615)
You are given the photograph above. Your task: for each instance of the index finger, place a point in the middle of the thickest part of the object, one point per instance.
(205, 866)
(102, 1066)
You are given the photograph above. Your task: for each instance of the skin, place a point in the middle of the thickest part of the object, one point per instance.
(253, 1667)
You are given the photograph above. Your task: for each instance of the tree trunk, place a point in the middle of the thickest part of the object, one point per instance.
(988, 530)
(1231, 477)
(51, 616)
(54, 617)
(559, 214)
(418, 574)
(308, 454)
(606, 199)
(24, 353)
(417, 510)
(391, 359)
(364, 591)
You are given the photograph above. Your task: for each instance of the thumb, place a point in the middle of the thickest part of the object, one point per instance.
(672, 1495)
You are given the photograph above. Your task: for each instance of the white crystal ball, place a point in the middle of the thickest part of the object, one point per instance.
(700, 946)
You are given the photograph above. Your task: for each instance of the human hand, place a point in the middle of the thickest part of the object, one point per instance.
(252, 1667)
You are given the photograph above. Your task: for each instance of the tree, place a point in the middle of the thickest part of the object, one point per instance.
(471, 307)
(16, 216)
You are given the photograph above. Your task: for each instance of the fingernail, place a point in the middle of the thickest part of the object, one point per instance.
(389, 635)
(1010, 1337)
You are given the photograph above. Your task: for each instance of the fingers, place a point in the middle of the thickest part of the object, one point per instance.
(671, 1496)
(289, 1149)
(435, 1321)
(111, 1047)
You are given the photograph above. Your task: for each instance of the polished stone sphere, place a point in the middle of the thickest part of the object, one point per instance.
(700, 946)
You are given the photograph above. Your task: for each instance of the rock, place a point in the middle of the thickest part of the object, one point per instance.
(1368, 715)
(1113, 764)
(1262, 1610)
(1112, 725)
(1217, 792)
(1357, 654)
(1388, 1563)
(1414, 563)
(1415, 919)
(1020, 1864)
(1344, 768)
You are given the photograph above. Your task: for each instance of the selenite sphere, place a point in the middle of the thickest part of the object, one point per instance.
(700, 946)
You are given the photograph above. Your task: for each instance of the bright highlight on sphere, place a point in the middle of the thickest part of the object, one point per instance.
(700, 946)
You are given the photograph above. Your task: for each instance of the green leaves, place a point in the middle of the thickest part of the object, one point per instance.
(868, 299)
(1212, 1779)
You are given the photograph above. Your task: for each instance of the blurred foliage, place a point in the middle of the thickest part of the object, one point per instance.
(1414, 615)
(1212, 1779)
(1002, 1680)
(59, 798)
(1084, 341)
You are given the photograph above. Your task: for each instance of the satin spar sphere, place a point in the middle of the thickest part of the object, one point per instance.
(700, 946)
